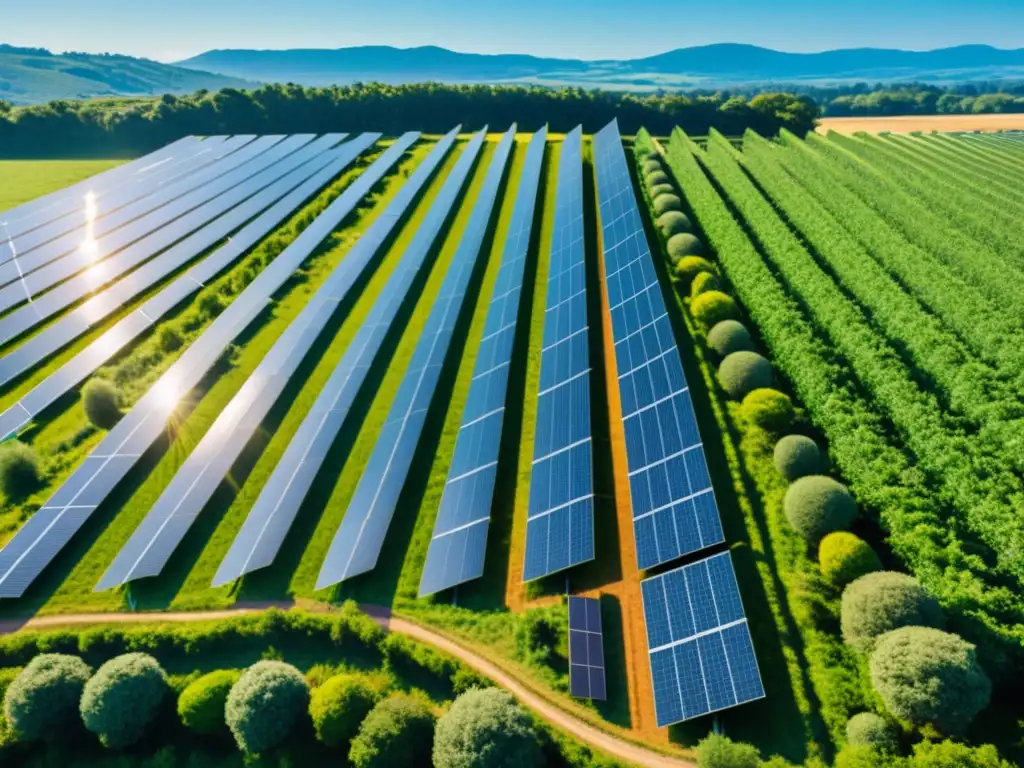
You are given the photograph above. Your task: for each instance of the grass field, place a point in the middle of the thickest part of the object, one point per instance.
(25, 180)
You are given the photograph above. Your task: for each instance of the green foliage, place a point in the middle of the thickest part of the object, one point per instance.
(797, 456)
(652, 164)
(661, 189)
(339, 706)
(398, 731)
(711, 308)
(120, 702)
(817, 505)
(539, 634)
(170, 338)
(844, 557)
(683, 244)
(929, 677)
(861, 756)
(102, 403)
(879, 602)
(674, 223)
(952, 754)
(20, 474)
(265, 704)
(656, 177)
(688, 267)
(869, 729)
(486, 728)
(201, 704)
(742, 372)
(210, 304)
(42, 701)
(768, 409)
(717, 751)
(730, 336)
(704, 282)
(665, 203)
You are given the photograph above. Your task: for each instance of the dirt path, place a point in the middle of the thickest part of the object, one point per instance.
(612, 745)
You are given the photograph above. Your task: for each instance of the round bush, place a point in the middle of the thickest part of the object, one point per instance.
(20, 474)
(880, 602)
(817, 505)
(742, 372)
(486, 728)
(170, 339)
(797, 456)
(41, 703)
(121, 700)
(265, 704)
(102, 403)
(925, 675)
(665, 203)
(844, 557)
(730, 336)
(712, 307)
(769, 409)
(674, 223)
(717, 751)
(398, 731)
(653, 178)
(704, 282)
(339, 706)
(661, 189)
(869, 729)
(210, 304)
(201, 704)
(688, 267)
(683, 244)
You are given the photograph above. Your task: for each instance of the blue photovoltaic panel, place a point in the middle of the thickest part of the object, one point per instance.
(456, 552)
(674, 509)
(586, 649)
(702, 657)
(560, 518)
(358, 541)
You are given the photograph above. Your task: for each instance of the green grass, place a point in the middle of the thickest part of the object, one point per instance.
(25, 180)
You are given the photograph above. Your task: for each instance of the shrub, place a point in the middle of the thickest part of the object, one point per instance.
(264, 705)
(486, 728)
(869, 729)
(20, 474)
(844, 557)
(742, 372)
(102, 403)
(655, 177)
(674, 222)
(339, 706)
(170, 339)
(688, 267)
(768, 409)
(665, 203)
(925, 675)
(880, 602)
(661, 189)
(860, 756)
(717, 751)
(682, 244)
(42, 701)
(713, 307)
(210, 304)
(797, 456)
(704, 282)
(652, 164)
(121, 700)
(817, 505)
(951, 754)
(201, 704)
(730, 336)
(398, 731)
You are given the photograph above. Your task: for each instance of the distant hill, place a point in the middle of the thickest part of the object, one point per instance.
(710, 65)
(32, 75)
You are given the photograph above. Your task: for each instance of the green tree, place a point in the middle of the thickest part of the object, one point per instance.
(265, 704)
(20, 474)
(486, 728)
(869, 729)
(120, 702)
(717, 751)
(339, 706)
(398, 731)
(42, 701)
(952, 754)
(201, 704)
(880, 602)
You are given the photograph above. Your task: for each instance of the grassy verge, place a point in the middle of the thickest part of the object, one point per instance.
(25, 180)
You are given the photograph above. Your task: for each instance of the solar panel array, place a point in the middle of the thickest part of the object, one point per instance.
(586, 649)
(358, 541)
(456, 552)
(674, 509)
(265, 527)
(52, 527)
(560, 518)
(702, 657)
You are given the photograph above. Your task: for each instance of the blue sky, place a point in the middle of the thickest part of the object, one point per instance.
(174, 29)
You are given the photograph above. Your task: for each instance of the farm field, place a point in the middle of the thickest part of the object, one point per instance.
(873, 274)
(28, 179)
(926, 123)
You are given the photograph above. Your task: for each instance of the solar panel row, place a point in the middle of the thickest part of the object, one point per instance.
(586, 649)
(256, 193)
(456, 552)
(261, 535)
(358, 541)
(50, 528)
(674, 509)
(702, 657)
(560, 518)
(289, 193)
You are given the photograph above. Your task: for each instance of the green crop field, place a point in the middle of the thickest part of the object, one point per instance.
(879, 278)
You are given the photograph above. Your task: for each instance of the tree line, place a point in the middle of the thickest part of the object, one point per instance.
(979, 98)
(73, 128)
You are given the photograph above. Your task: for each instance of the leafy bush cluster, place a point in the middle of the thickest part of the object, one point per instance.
(20, 471)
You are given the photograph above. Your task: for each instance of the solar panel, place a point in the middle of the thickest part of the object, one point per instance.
(674, 509)
(702, 657)
(456, 552)
(560, 518)
(586, 649)
(358, 541)
(261, 535)
(292, 190)
(53, 526)
(256, 193)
